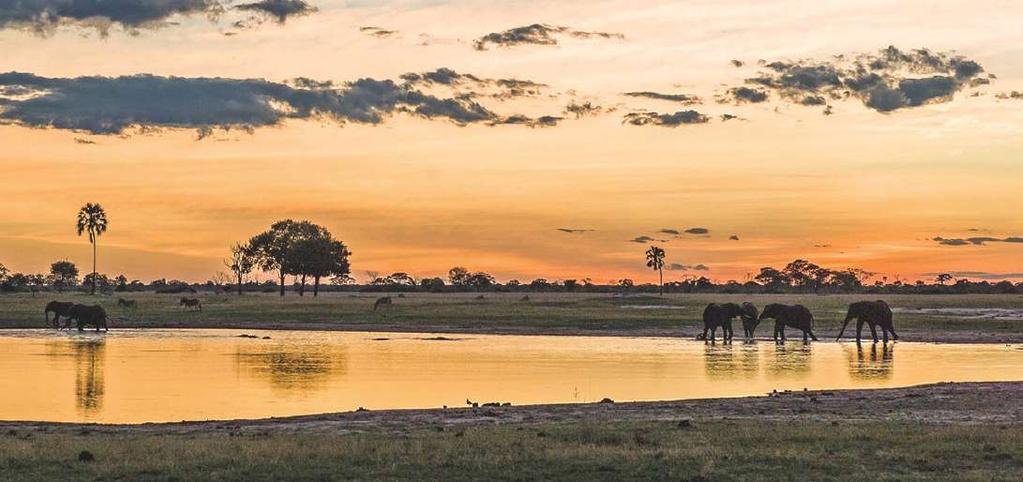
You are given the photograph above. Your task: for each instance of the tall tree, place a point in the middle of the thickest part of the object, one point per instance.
(240, 263)
(655, 261)
(319, 256)
(274, 250)
(63, 274)
(92, 219)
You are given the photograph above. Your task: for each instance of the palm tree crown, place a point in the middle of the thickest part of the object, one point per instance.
(655, 260)
(92, 219)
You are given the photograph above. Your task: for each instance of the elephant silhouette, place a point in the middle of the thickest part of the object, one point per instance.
(85, 315)
(59, 309)
(873, 313)
(719, 315)
(795, 316)
(750, 319)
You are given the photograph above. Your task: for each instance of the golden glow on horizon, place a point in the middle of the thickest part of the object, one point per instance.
(418, 196)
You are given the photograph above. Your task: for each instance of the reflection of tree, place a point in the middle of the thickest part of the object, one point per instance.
(293, 367)
(791, 358)
(89, 360)
(722, 362)
(863, 366)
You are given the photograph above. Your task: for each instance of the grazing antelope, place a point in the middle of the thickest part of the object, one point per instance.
(191, 303)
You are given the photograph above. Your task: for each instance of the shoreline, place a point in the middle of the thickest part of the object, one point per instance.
(940, 403)
(920, 336)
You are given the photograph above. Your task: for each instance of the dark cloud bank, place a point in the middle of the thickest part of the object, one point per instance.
(115, 105)
(46, 15)
(976, 240)
(885, 81)
(536, 34)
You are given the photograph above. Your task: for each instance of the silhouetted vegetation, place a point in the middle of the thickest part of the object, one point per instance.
(92, 220)
(301, 249)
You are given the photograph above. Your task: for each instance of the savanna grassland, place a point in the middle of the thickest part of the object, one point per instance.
(917, 317)
(937, 432)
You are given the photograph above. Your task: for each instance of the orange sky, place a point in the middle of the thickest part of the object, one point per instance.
(857, 188)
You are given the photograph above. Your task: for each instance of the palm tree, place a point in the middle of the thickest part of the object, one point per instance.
(92, 219)
(655, 260)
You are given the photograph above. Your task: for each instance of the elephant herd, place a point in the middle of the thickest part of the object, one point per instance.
(82, 315)
(719, 315)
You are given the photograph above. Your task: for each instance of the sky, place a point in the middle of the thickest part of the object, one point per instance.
(522, 138)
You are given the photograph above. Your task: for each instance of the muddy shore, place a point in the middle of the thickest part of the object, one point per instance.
(993, 403)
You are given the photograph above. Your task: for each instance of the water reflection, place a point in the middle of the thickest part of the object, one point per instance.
(89, 359)
(722, 361)
(293, 367)
(873, 366)
(790, 358)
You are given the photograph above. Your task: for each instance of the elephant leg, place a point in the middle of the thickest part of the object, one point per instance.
(780, 328)
(859, 330)
(873, 332)
(884, 334)
(704, 336)
(812, 336)
(894, 335)
(713, 332)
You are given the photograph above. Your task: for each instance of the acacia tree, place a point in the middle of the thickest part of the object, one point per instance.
(320, 257)
(92, 219)
(63, 274)
(655, 261)
(274, 249)
(240, 263)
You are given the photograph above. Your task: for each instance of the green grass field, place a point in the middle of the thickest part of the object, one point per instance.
(507, 312)
(706, 450)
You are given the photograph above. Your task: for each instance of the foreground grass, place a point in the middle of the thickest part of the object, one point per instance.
(542, 312)
(702, 450)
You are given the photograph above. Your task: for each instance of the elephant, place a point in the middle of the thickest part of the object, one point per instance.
(750, 319)
(85, 315)
(796, 316)
(873, 313)
(715, 315)
(59, 309)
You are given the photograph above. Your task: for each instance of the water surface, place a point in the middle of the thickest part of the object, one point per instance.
(131, 376)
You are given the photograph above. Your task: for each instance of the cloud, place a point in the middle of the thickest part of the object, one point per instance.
(45, 15)
(687, 267)
(679, 118)
(728, 117)
(670, 231)
(474, 86)
(642, 239)
(978, 274)
(744, 95)
(575, 230)
(536, 34)
(280, 10)
(976, 240)
(885, 81)
(697, 231)
(114, 105)
(737, 63)
(1013, 95)
(734, 237)
(378, 32)
(684, 99)
(582, 110)
(542, 121)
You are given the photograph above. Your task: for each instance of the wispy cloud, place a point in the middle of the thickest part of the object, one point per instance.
(536, 34)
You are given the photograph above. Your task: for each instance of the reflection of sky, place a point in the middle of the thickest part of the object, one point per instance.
(163, 375)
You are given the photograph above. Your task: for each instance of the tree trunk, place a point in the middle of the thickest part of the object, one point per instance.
(282, 282)
(239, 284)
(93, 266)
(660, 271)
(301, 286)
(316, 286)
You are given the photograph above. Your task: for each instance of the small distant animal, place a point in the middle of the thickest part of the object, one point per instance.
(386, 300)
(127, 304)
(59, 309)
(525, 298)
(191, 303)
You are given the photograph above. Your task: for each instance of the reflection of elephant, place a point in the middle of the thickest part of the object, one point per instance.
(750, 319)
(59, 309)
(85, 315)
(796, 316)
(872, 367)
(719, 314)
(873, 313)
